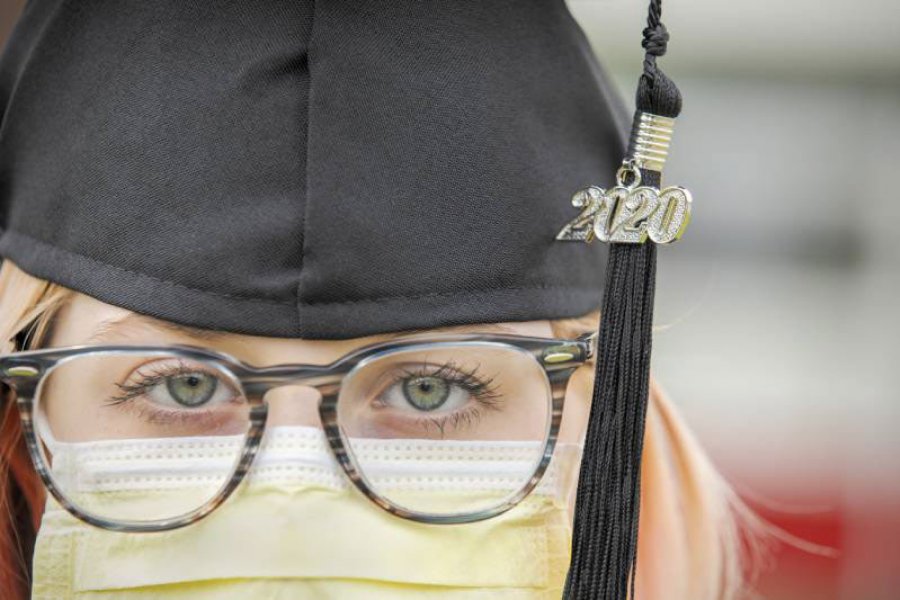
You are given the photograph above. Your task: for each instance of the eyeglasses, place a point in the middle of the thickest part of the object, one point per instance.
(446, 428)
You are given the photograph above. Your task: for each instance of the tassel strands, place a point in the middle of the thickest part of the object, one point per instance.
(604, 544)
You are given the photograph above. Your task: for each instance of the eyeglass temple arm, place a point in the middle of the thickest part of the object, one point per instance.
(591, 340)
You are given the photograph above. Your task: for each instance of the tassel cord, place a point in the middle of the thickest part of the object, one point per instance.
(604, 544)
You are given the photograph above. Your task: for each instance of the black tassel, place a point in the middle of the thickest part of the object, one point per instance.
(604, 544)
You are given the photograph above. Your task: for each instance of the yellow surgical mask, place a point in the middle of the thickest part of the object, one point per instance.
(296, 528)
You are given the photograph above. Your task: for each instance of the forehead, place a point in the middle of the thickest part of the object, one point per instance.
(86, 320)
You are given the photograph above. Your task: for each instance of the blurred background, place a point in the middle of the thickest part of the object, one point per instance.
(777, 314)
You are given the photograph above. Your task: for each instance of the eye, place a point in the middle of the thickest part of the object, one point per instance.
(177, 386)
(191, 389)
(426, 393)
(439, 390)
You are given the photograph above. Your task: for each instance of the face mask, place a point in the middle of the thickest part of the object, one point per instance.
(296, 528)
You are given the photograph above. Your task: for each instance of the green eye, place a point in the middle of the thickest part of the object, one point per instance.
(426, 393)
(191, 389)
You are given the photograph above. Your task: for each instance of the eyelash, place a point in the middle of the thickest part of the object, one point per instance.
(133, 390)
(484, 393)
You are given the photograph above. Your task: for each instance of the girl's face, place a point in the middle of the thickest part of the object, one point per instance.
(297, 519)
(87, 415)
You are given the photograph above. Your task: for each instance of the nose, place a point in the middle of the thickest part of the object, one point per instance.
(293, 405)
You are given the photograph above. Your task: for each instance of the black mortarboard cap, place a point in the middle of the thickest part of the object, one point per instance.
(324, 170)
(337, 169)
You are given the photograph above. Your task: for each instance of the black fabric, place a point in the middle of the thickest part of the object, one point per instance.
(607, 505)
(321, 169)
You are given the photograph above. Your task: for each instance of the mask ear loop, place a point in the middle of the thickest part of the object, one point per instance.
(44, 434)
(51, 449)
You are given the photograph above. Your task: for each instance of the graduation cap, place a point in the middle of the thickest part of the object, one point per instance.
(335, 170)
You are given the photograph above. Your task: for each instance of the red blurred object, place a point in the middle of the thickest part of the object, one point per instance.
(864, 537)
(797, 574)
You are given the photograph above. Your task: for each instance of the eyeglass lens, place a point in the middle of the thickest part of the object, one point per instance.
(439, 429)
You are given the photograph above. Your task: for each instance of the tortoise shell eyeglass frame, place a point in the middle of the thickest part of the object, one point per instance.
(23, 372)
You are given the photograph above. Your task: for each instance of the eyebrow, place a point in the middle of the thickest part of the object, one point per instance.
(109, 327)
(466, 328)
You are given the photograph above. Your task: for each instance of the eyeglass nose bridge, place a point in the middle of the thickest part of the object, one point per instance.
(325, 380)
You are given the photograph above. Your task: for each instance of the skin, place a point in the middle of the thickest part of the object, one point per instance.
(80, 417)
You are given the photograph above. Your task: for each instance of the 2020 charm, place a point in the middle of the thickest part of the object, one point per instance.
(629, 213)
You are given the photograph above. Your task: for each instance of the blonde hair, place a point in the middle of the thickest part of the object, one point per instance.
(697, 539)
(690, 542)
